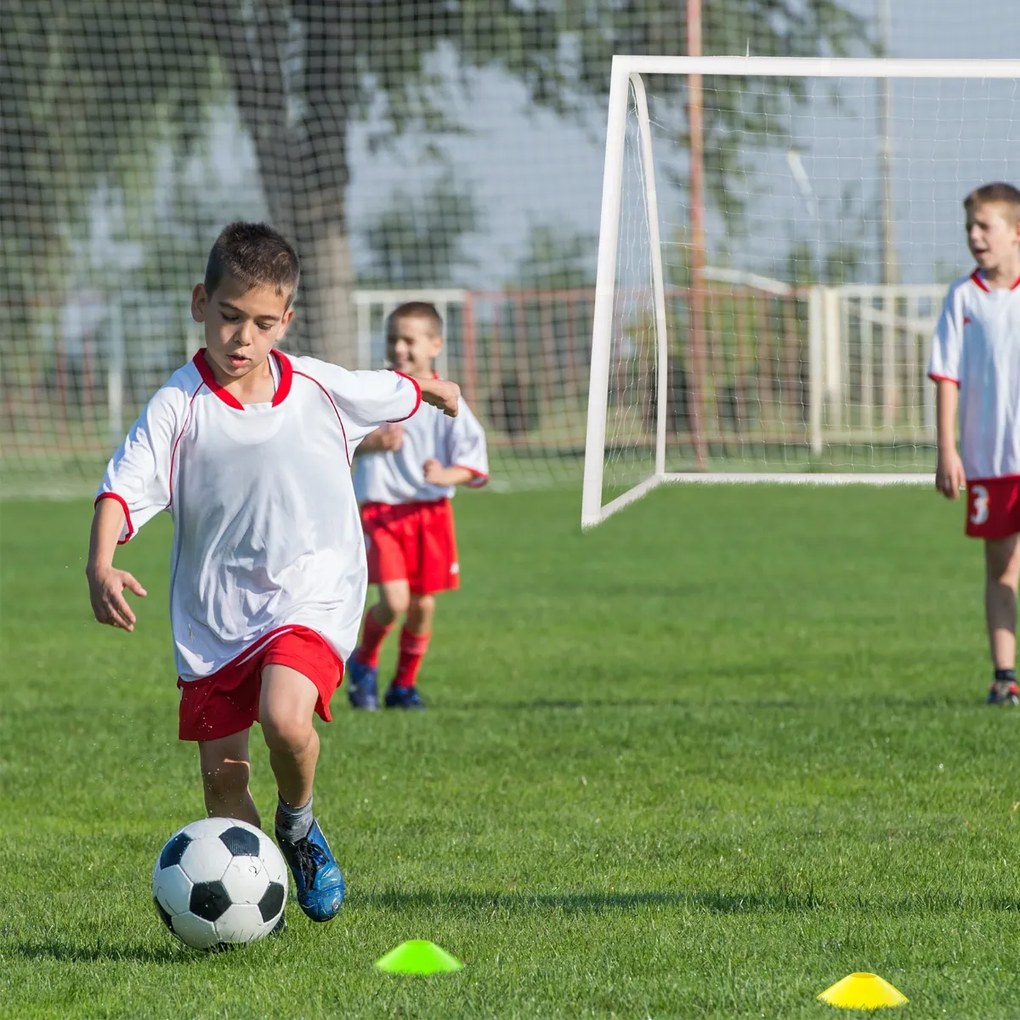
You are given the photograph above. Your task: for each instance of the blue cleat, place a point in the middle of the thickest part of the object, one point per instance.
(403, 697)
(317, 876)
(362, 692)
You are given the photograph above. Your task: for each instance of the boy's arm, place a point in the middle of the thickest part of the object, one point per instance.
(384, 439)
(436, 474)
(106, 582)
(949, 474)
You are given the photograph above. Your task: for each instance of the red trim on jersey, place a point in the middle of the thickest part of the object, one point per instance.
(977, 278)
(417, 389)
(943, 378)
(177, 442)
(127, 514)
(209, 379)
(336, 411)
(228, 398)
(286, 377)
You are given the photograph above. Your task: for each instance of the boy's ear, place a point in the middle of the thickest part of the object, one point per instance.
(286, 320)
(199, 299)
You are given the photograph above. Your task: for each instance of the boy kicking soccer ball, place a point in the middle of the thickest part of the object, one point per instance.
(249, 450)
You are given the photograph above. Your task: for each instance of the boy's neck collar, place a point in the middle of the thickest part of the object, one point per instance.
(284, 369)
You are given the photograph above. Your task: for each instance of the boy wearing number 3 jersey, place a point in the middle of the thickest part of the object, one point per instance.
(975, 364)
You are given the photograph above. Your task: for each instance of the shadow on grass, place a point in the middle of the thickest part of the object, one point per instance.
(711, 901)
(922, 700)
(589, 903)
(70, 952)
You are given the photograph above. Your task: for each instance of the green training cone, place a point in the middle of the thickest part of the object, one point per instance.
(418, 956)
(863, 991)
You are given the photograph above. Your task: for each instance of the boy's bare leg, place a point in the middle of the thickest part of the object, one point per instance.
(1002, 572)
(226, 768)
(394, 601)
(420, 614)
(286, 712)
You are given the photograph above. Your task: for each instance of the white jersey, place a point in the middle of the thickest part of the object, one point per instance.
(266, 527)
(977, 346)
(398, 476)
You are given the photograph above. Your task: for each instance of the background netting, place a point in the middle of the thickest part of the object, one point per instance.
(447, 150)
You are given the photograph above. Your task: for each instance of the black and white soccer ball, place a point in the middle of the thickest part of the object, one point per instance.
(219, 882)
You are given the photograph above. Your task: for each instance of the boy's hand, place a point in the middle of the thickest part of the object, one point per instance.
(949, 474)
(441, 393)
(384, 439)
(106, 594)
(390, 436)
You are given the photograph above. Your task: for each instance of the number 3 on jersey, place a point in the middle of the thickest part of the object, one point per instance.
(978, 504)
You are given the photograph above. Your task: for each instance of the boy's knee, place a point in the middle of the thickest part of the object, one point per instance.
(286, 732)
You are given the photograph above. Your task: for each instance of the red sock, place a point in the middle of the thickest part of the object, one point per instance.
(412, 651)
(373, 633)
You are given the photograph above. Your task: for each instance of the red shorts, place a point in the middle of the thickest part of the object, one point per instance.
(227, 701)
(993, 507)
(412, 542)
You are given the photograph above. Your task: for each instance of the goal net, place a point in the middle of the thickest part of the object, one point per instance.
(776, 239)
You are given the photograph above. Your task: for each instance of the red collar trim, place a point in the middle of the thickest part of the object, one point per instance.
(282, 363)
(980, 281)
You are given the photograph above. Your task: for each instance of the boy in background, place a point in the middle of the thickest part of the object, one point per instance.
(975, 364)
(405, 476)
(249, 451)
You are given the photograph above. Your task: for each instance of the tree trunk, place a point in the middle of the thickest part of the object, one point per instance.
(324, 323)
(303, 168)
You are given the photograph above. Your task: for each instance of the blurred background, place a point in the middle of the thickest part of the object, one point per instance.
(451, 151)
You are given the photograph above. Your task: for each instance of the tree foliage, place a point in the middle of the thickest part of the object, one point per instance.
(89, 85)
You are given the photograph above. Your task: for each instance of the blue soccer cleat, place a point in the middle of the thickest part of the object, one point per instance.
(317, 876)
(362, 692)
(403, 697)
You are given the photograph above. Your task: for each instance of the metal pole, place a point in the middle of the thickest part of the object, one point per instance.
(695, 118)
(890, 271)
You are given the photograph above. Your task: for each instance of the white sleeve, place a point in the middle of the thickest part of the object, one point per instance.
(947, 341)
(138, 474)
(466, 446)
(367, 398)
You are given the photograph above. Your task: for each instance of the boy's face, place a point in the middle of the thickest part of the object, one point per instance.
(241, 326)
(412, 345)
(993, 236)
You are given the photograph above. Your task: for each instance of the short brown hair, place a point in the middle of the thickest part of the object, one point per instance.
(416, 310)
(255, 255)
(999, 193)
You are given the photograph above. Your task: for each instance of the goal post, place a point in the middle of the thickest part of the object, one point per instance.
(788, 343)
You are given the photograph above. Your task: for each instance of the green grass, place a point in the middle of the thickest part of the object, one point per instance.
(702, 761)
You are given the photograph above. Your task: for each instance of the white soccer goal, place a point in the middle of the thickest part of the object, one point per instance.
(776, 238)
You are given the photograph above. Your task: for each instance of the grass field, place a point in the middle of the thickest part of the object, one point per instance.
(703, 761)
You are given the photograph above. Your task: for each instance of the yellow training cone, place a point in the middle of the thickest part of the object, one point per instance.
(417, 956)
(863, 991)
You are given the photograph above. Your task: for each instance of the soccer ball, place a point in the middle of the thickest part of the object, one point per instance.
(219, 882)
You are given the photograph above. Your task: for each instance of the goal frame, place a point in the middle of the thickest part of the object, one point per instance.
(626, 74)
